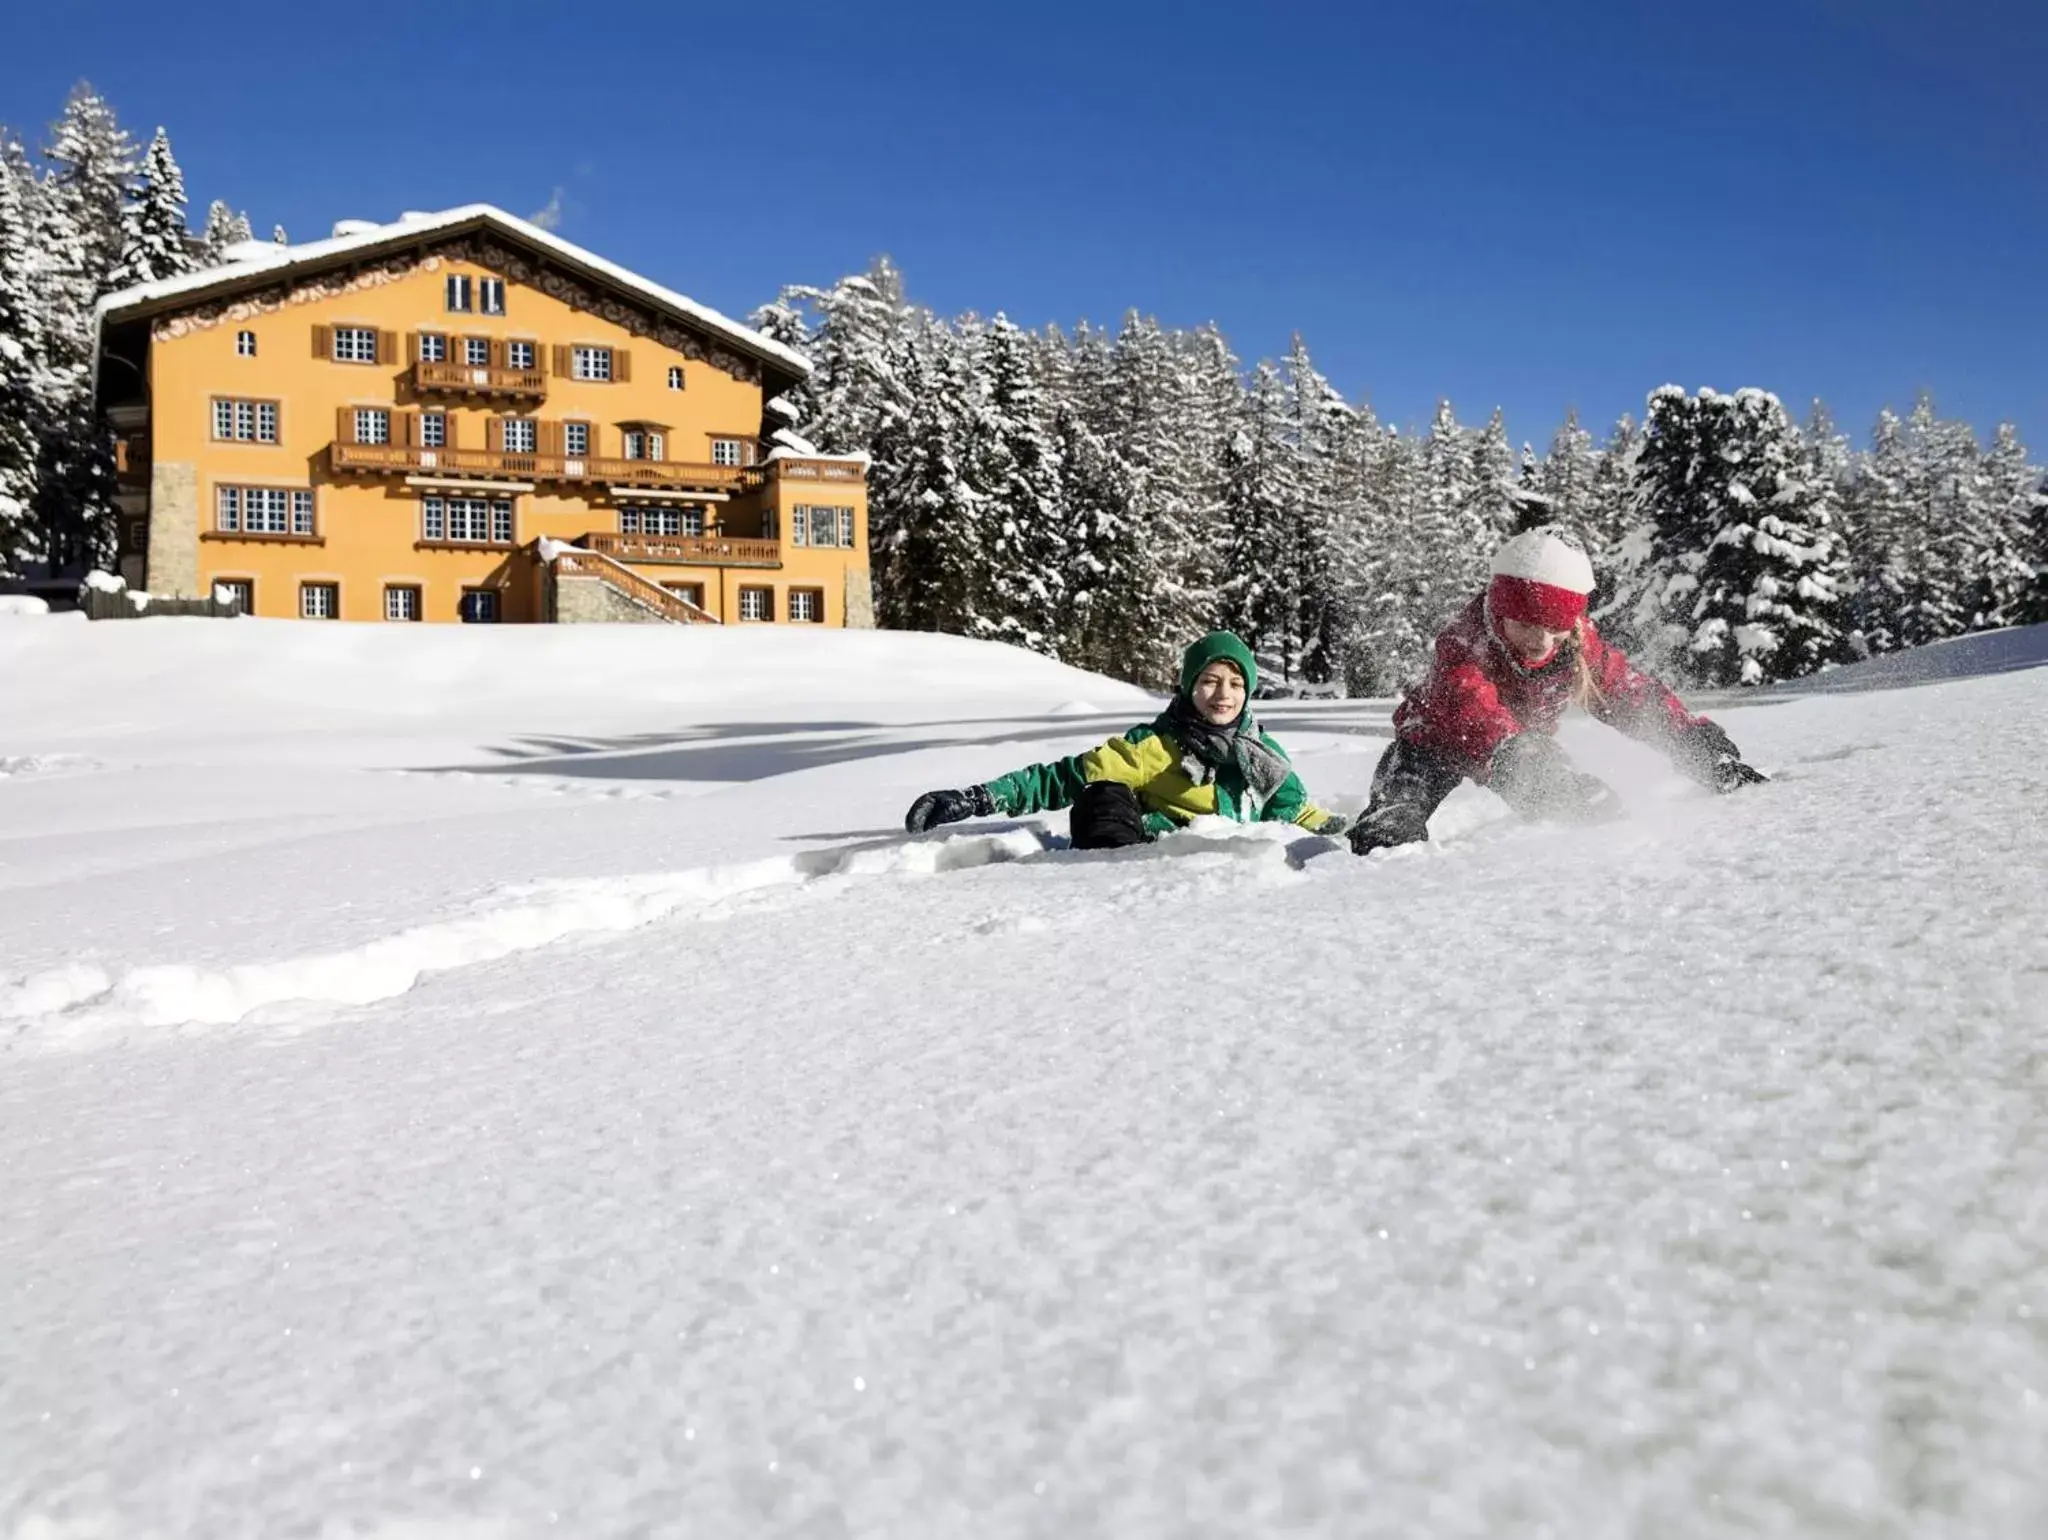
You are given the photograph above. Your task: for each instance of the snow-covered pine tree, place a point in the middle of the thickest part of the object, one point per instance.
(1941, 514)
(856, 318)
(795, 408)
(933, 571)
(1883, 515)
(1493, 479)
(2004, 566)
(20, 366)
(1567, 479)
(224, 228)
(1317, 420)
(1017, 472)
(1260, 494)
(278, 237)
(1204, 399)
(156, 244)
(1752, 571)
(1656, 579)
(1358, 519)
(2031, 609)
(1453, 536)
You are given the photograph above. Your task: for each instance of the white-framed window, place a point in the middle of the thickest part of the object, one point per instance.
(757, 604)
(433, 348)
(240, 591)
(246, 422)
(675, 376)
(519, 355)
(433, 430)
(302, 513)
(727, 451)
(373, 425)
(668, 522)
(227, 510)
(824, 526)
(846, 528)
(491, 295)
(245, 344)
(355, 345)
(576, 439)
(401, 602)
(457, 291)
(590, 363)
(689, 593)
(644, 444)
(266, 511)
(479, 606)
(466, 520)
(476, 352)
(807, 604)
(263, 511)
(319, 601)
(519, 436)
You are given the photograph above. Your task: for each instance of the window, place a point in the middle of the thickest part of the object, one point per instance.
(689, 593)
(661, 521)
(476, 352)
(644, 444)
(319, 601)
(246, 422)
(491, 296)
(355, 345)
(807, 604)
(576, 439)
(675, 376)
(480, 606)
(846, 528)
(373, 425)
(433, 430)
(401, 602)
(590, 363)
(757, 604)
(519, 355)
(458, 292)
(821, 527)
(433, 348)
(245, 344)
(263, 511)
(466, 520)
(517, 435)
(731, 451)
(241, 592)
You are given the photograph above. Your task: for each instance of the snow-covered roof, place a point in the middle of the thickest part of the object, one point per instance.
(265, 268)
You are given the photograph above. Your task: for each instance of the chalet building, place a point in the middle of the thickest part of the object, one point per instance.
(461, 416)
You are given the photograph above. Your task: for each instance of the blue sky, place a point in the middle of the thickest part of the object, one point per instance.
(1507, 204)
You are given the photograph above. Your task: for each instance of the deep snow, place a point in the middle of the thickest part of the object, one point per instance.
(519, 1083)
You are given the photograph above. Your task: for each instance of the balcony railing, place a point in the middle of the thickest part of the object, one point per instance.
(817, 470)
(687, 550)
(508, 465)
(479, 379)
(571, 563)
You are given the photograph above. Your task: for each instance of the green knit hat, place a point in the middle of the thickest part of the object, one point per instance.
(1218, 644)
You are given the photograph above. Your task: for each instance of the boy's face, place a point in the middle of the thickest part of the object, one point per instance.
(1218, 694)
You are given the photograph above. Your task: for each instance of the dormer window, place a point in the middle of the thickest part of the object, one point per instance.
(645, 443)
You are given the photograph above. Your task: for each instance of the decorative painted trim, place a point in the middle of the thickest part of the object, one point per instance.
(278, 297)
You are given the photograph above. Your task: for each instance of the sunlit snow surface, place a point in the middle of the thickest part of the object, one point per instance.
(462, 1085)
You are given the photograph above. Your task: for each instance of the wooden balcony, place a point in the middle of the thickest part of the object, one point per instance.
(505, 465)
(479, 380)
(686, 550)
(787, 469)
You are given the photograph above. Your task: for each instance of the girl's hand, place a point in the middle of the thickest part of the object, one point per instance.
(937, 807)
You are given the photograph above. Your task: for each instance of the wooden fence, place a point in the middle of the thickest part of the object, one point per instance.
(101, 605)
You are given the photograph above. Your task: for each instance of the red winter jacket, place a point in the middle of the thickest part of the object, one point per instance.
(1473, 699)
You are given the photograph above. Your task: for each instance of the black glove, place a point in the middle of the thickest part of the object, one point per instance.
(937, 807)
(1395, 823)
(1709, 756)
(1531, 774)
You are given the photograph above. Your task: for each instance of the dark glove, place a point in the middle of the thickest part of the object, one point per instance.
(1709, 756)
(1532, 775)
(937, 807)
(1333, 828)
(1395, 823)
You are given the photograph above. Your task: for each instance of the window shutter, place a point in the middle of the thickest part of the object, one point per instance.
(405, 429)
(592, 452)
(564, 364)
(323, 342)
(344, 425)
(497, 353)
(494, 434)
(412, 348)
(447, 430)
(622, 366)
(548, 438)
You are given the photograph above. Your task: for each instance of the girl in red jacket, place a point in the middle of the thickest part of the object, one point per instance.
(1504, 671)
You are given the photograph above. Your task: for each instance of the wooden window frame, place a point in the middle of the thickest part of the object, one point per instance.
(816, 596)
(301, 505)
(245, 336)
(532, 433)
(532, 345)
(676, 377)
(447, 540)
(690, 592)
(246, 583)
(589, 449)
(419, 604)
(481, 591)
(747, 448)
(440, 419)
(255, 405)
(427, 337)
(333, 588)
(451, 286)
(483, 287)
(768, 603)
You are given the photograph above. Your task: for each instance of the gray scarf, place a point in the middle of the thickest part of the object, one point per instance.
(1207, 748)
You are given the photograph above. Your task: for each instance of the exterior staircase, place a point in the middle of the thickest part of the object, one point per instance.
(572, 562)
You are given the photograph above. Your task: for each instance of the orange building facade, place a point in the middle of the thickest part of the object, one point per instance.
(463, 417)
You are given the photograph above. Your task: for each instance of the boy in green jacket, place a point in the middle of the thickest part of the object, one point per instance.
(1203, 755)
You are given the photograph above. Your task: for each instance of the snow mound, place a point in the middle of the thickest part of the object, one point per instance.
(22, 606)
(1963, 657)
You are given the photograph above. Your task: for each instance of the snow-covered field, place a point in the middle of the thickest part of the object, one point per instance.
(465, 1083)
